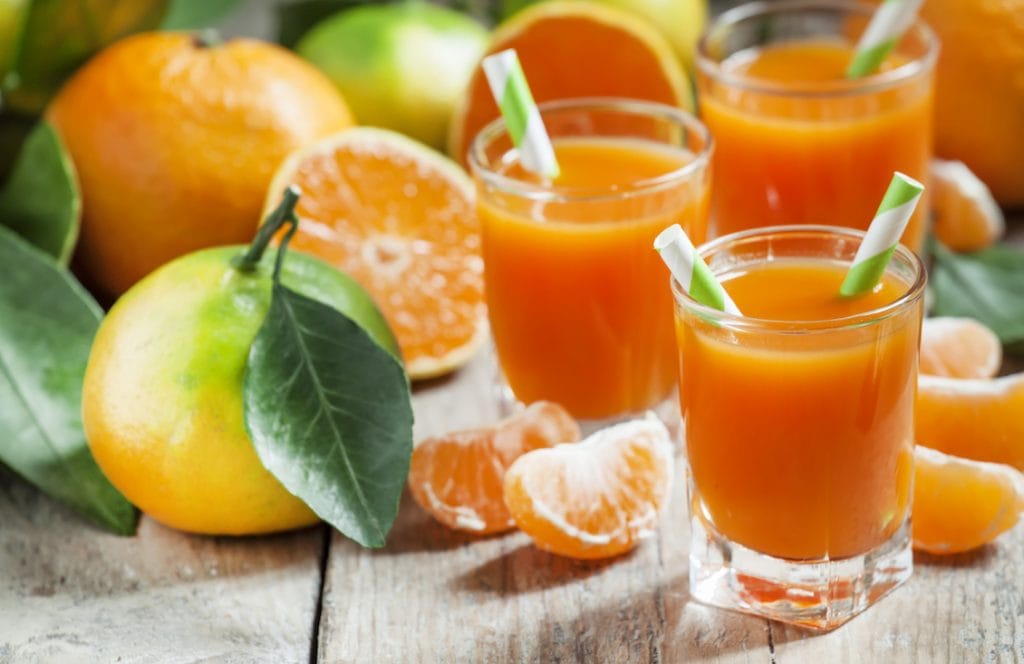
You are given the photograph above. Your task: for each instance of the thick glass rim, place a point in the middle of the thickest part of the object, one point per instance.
(892, 78)
(749, 324)
(481, 167)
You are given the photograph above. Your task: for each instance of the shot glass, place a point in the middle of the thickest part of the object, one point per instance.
(799, 434)
(796, 141)
(575, 295)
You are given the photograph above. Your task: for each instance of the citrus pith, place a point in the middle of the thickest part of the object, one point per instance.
(399, 218)
(458, 477)
(596, 498)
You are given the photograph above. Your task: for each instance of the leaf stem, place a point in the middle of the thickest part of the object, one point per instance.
(283, 214)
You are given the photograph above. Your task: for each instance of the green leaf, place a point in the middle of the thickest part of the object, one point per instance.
(40, 200)
(195, 14)
(329, 413)
(14, 129)
(987, 285)
(47, 323)
(294, 19)
(59, 35)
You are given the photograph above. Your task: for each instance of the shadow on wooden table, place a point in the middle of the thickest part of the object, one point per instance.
(527, 569)
(416, 531)
(976, 558)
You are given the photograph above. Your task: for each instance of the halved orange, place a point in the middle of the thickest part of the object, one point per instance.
(967, 217)
(959, 348)
(597, 498)
(400, 219)
(458, 477)
(960, 504)
(574, 49)
(979, 419)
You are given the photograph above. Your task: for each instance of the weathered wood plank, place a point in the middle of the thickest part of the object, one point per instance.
(965, 608)
(433, 595)
(71, 593)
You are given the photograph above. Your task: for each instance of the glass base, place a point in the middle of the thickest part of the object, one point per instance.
(820, 594)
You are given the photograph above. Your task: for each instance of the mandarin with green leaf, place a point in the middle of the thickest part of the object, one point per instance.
(162, 401)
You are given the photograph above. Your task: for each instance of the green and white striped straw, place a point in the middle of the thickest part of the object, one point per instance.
(889, 22)
(690, 270)
(525, 126)
(883, 235)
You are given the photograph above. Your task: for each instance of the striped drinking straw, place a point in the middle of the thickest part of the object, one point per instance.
(889, 22)
(690, 270)
(883, 235)
(525, 126)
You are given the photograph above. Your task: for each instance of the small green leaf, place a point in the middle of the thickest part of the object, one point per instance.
(329, 413)
(40, 200)
(47, 323)
(987, 285)
(195, 14)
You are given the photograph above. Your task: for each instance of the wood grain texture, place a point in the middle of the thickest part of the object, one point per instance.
(434, 595)
(71, 593)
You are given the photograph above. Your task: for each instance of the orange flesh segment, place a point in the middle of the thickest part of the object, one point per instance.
(405, 228)
(458, 477)
(967, 218)
(978, 419)
(960, 504)
(570, 50)
(597, 498)
(959, 348)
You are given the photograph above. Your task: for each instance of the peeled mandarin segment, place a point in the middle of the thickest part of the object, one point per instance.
(400, 219)
(574, 49)
(597, 498)
(960, 504)
(959, 348)
(458, 477)
(979, 419)
(967, 217)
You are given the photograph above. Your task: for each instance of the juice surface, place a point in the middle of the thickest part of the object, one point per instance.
(799, 155)
(801, 445)
(578, 300)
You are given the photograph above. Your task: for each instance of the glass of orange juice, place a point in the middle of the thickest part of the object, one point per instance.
(798, 422)
(575, 295)
(796, 141)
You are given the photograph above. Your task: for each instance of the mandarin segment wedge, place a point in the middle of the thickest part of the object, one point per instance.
(597, 498)
(400, 219)
(967, 217)
(979, 419)
(959, 348)
(458, 477)
(574, 49)
(959, 504)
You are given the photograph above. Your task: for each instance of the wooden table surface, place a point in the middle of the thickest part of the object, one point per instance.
(71, 593)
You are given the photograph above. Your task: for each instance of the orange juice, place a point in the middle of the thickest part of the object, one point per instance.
(800, 439)
(576, 295)
(798, 143)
